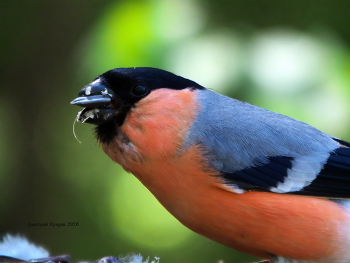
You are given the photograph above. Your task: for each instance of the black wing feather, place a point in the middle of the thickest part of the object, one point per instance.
(333, 181)
(261, 176)
(334, 178)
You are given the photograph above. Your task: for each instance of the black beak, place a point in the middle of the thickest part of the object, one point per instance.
(96, 99)
(94, 95)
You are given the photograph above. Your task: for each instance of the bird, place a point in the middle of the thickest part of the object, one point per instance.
(254, 180)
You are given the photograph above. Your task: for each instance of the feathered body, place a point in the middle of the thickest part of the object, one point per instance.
(243, 176)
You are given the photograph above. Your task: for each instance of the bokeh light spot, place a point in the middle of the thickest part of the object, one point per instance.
(212, 60)
(287, 61)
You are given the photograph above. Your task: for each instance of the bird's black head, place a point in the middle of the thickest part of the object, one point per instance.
(108, 99)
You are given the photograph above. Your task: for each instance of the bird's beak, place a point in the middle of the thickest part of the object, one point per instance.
(96, 99)
(92, 101)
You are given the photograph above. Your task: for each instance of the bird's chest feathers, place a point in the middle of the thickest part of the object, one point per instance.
(154, 130)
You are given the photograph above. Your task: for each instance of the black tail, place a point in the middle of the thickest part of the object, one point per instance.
(334, 179)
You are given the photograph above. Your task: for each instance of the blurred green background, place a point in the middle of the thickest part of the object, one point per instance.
(288, 56)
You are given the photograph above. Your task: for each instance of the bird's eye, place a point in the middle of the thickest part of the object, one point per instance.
(139, 90)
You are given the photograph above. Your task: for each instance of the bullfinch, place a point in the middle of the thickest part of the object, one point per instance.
(251, 179)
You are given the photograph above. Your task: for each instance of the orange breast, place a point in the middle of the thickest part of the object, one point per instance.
(262, 224)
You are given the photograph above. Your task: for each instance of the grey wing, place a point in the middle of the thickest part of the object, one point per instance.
(254, 148)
